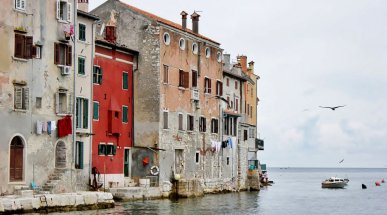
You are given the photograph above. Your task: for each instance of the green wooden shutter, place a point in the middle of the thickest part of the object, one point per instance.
(101, 149)
(124, 114)
(80, 155)
(114, 150)
(95, 110)
(77, 113)
(125, 80)
(85, 113)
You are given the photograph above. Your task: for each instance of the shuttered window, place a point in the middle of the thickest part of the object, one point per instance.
(237, 105)
(82, 32)
(165, 74)
(180, 121)
(214, 126)
(20, 4)
(23, 46)
(82, 113)
(183, 79)
(21, 97)
(165, 117)
(125, 80)
(101, 149)
(63, 10)
(97, 75)
(219, 88)
(124, 114)
(63, 54)
(202, 124)
(190, 123)
(81, 65)
(79, 155)
(207, 85)
(194, 78)
(95, 110)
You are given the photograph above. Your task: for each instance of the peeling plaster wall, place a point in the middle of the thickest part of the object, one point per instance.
(43, 79)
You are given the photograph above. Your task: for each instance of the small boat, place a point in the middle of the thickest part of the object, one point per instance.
(334, 182)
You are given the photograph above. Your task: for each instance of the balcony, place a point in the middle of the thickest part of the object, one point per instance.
(259, 144)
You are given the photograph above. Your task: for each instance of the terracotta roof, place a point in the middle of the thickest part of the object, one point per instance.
(166, 22)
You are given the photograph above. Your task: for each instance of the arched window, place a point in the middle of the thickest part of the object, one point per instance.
(16, 159)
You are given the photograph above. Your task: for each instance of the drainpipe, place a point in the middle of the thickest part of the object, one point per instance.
(74, 97)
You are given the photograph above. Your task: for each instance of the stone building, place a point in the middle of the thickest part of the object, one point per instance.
(37, 93)
(177, 91)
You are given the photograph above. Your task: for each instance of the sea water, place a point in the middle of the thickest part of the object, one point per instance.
(295, 191)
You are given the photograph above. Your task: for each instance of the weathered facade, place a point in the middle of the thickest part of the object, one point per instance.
(37, 96)
(176, 95)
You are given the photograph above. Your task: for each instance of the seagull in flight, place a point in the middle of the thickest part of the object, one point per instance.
(333, 108)
(341, 161)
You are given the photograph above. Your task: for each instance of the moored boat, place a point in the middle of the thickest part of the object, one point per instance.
(334, 182)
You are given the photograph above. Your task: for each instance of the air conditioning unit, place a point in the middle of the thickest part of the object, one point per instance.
(65, 70)
(195, 95)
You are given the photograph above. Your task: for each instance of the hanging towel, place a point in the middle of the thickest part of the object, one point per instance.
(64, 126)
(230, 142)
(53, 126)
(39, 127)
(49, 128)
(218, 145)
(44, 127)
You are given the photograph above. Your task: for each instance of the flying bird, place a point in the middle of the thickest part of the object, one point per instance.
(341, 161)
(333, 108)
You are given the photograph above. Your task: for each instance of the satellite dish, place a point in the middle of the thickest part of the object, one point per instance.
(102, 29)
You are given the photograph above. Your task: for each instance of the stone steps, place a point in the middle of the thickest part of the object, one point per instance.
(53, 179)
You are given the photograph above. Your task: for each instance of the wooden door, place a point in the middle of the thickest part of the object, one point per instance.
(16, 159)
(60, 155)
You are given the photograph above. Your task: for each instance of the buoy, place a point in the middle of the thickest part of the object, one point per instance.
(383, 180)
(377, 183)
(363, 186)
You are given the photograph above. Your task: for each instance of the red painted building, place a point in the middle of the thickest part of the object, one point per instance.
(112, 111)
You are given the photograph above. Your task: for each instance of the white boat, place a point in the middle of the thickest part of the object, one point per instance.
(334, 182)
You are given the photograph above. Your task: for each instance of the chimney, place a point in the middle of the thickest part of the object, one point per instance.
(195, 22)
(226, 59)
(83, 5)
(184, 19)
(251, 65)
(242, 60)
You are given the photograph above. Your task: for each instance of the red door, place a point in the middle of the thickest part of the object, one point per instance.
(16, 160)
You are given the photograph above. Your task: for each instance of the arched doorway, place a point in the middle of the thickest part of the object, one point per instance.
(60, 155)
(16, 159)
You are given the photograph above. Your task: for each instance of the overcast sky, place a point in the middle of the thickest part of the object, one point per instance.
(307, 53)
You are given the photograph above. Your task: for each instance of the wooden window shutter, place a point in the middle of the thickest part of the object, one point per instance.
(186, 79)
(80, 154)
(125, 80)
(205, 85)
(221, 88)
(28, 47)
(114, 150)
(26, 98)
(69, 55)
(58, 9)
(34, 51)
(209, 86)
(85, 117)
(204, 125)
(57, 108)
(19, 45)
(18, 98)
(57, 53)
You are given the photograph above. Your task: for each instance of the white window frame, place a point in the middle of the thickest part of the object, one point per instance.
(208, 52)
(182, 43)
(166, 38)
(195, 48)
(58, 105)
(80, 115)
(193, 122)
(21, 3)
(67, 14)
(219, 57)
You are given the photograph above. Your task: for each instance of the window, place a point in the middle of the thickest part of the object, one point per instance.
(219, 56)
(82, 113)
(180, 121)
(248, 109)
(97, 75)
(236, 105)
(37, 51)
(183, 79)
(219, 88)
(107, 149)
(63, 102)
(182, 43)
(251, 133)
(62, 54)
(228, 161)
(202, 124)
(208, 52)
(207, 85)
(81, 65)
(96, 110)
(165, 117)
(23, 46)
(251, 111)
(82, 32)
(190, 123)
(245, 134)
(21, 97)
(227, 82)
(125, 80)
(63, 10)
(79, 155)
(20, 4)
(38, 102)
(228, 101)
(194, 78)
(197, 157)
(167, 38)
(125, 114)
(165, 76)
(236, 85)
(195, 48)
(214, 126)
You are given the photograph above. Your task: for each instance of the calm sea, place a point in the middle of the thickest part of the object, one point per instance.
(296, 191)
